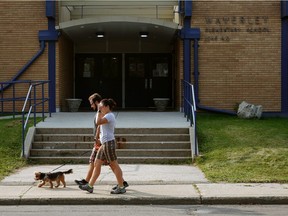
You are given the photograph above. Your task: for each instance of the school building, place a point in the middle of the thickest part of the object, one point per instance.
(135, 51)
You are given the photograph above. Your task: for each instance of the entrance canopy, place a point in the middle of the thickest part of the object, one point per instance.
(121, 30)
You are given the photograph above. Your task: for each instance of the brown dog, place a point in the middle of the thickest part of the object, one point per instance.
(50, 177)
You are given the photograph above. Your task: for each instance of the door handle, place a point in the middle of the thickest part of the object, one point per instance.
(150, 83)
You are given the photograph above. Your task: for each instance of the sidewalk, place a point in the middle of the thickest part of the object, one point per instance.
(148, 184)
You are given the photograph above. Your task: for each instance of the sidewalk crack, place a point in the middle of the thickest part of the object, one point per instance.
(199, 192)
(21, 196)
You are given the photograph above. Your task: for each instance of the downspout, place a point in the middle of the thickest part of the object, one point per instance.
(284, 57)
(51, 35)
(50, 5)
(27, 65)
(188, 34)
(187, 53)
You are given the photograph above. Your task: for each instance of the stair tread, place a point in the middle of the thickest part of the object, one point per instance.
(170, 134)
(116, 149)
(69, 142)
(88, 157)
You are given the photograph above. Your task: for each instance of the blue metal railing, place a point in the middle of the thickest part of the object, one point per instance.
(189, 108)
(11, 96)
(33, 103)
(10, 92)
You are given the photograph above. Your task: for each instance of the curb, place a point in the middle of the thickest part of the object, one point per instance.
(245, 200)
(147, 201)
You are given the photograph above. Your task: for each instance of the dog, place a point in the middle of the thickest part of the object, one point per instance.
(50, 177)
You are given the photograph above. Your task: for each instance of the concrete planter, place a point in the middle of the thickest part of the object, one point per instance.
(73, 104)
(161, 103)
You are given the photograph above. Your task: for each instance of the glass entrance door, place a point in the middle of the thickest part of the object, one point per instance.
(147, 76)
(101, 73)
(137, 86)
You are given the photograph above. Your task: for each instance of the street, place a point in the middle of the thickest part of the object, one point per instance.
(150, 210)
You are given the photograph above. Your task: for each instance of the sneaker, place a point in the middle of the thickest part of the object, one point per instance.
(81, 182)
(125, 184)
(119, 190)
(86, 187)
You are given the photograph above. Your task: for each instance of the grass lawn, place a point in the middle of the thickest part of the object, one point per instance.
(241, 150)
(10, 146)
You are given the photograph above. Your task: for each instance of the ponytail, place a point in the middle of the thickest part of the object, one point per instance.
(109, 102)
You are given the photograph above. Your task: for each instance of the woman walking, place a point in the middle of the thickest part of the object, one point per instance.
(106, 120)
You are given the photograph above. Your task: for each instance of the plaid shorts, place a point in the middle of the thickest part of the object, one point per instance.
(93, 155)
(107, 151)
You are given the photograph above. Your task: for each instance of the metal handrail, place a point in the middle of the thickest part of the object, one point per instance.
(32, 106)
(190, 109)
(30, 101)
(13, 98)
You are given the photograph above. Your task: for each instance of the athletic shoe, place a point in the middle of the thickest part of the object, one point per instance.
(81, 182)
(119, 190)
(125, 184)
(86, 187)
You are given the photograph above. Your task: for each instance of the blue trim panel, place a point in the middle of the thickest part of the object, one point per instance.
(48, 35)
(179, 6)
(50, 9)
(190, 33)
(188, 8)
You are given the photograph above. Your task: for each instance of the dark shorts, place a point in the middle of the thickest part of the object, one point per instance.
(107, 151)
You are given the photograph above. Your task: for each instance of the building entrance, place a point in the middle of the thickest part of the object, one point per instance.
(98, 73)
(132, 80)
(147, 76)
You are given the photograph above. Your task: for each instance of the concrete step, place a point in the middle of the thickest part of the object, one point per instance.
(64, 131)
(63, 145)
(121, 160)
(117, 131)
(120, 145)
(120, 137)
(120, 152)
(154, 145)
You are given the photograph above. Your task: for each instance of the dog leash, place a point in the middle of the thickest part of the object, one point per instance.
(58, 167)
(67, 162)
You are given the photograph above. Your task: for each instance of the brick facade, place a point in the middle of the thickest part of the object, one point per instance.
(65, 74)
(19, 26)
(239, 52)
